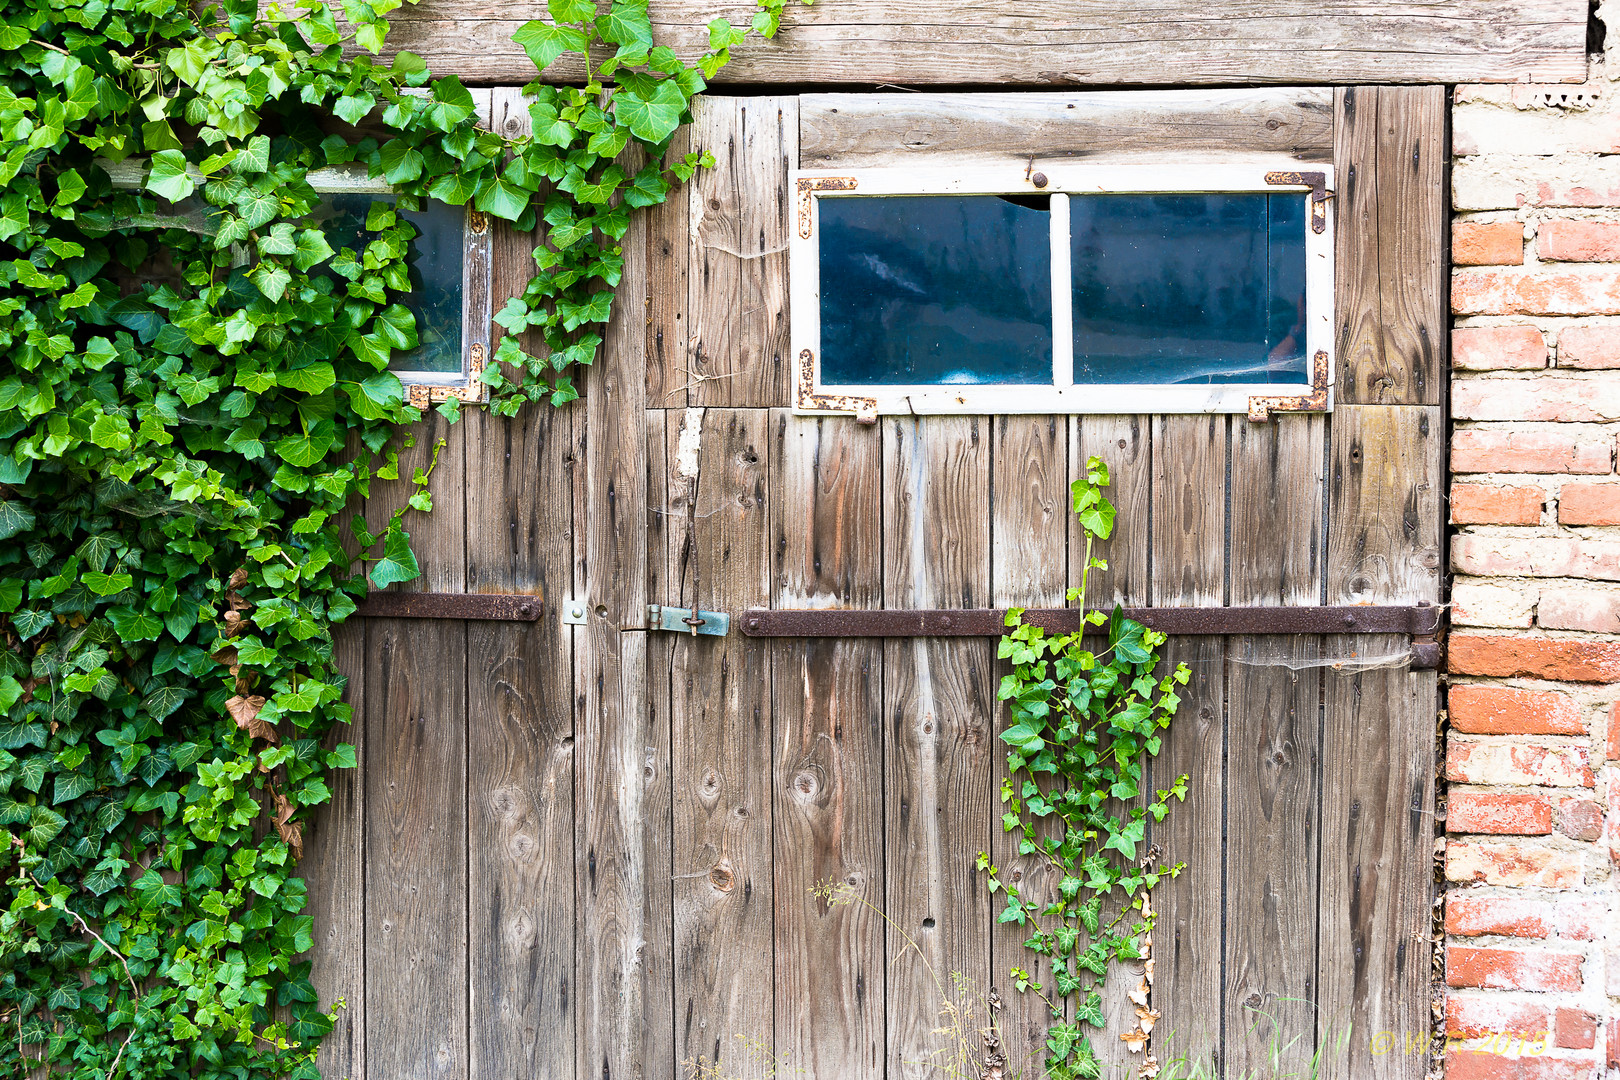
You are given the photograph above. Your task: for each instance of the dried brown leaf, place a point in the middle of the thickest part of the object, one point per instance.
(245, 711)
(291, 833)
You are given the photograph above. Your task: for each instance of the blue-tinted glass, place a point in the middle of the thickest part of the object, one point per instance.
(1189, 289)
(921, 289)
(435, 260)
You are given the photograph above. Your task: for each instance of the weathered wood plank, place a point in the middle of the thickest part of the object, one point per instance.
(826, 529)
(863, 131)
(416, 850)
(1125, 443)
(621, 763)
(720, 713)
(738, 223)
(1384, 505)
(439, 538)
(519, 538)
(1412, 201)
(1357, 303)
(1278, 500)
(1377, 853)
(334, 869)
(669, 257)
(1029, 479)
(938, 706)
(1189, 568)
(1085, 42)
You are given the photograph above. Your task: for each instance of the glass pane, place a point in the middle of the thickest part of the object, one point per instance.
(435, 261)
(1189, 289)
(922, 289)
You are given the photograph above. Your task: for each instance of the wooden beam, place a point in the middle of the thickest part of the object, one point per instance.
(1081, 42)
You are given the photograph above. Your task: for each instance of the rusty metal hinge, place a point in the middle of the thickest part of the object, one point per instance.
(1317, 182)
(807, 400)
(1262, 407)
(498, 607)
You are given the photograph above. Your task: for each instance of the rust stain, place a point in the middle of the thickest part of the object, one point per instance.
(1261, 407)
(809, 184)
(1317, 182)
(864, 408)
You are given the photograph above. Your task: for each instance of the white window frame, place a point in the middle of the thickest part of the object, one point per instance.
(422, 388)
(1260, 174)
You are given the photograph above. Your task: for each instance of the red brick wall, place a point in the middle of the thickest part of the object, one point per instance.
(1534, 700)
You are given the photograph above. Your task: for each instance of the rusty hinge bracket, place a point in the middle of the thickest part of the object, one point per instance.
(1261, 407)
(681, 620)
(807, 400)
(1317, 182)
(499, 607)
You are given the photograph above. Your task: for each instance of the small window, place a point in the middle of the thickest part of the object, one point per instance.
(1086, 289)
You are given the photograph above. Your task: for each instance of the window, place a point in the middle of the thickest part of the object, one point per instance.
(1075, 289)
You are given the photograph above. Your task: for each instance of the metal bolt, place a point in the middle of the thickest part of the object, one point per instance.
(1039, 179)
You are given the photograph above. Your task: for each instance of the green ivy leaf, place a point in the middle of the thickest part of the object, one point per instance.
(134, 624)
(168, 177)
(398, 563)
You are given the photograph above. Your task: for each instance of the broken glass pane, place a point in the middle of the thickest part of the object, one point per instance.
(435, 262)
(1189, 289)
(936, 289)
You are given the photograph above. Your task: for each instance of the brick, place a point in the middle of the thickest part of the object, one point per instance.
(1508, 916)
(1578, 241)
(1505, 815)
(1532, 450)
(1475, 1016)
(1475, 603)
(1494, 1063)
(1498, 243)
(1492, 504)
(1576, 1029)
(1612, 745)
(1534, 398)
(1501, 710)
(1514, 656)
(1498, 348)
(1514, 865)
(1498, 184)
(1536, 556)
(1579, 920)
(1520, 764)
(1594, 346)
(1512, 969)
(1535, 292)
(1580, 819)
(1587, 504)
(1613, 1043)
(1580, 609)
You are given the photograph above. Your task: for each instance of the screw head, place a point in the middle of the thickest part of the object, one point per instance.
(1039, 179)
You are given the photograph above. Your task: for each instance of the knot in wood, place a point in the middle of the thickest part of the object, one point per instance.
(721, 877)
(806, 784)
(523, 847)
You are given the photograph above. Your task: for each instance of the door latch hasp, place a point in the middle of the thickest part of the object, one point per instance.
(681, 620)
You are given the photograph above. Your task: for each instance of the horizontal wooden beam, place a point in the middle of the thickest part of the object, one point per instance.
(1421, 619)
(1076, 42)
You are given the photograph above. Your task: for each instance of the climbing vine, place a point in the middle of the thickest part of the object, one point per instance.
(194, 383)
(1084, 725)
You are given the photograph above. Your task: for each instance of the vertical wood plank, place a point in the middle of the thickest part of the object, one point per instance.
(521, 864)
(416, 849)
(720, 711)
(1359, 345)
(1384, 504)
(1029, 479)
(1273, 724)
(1125, 443)
(669, 257)
(1412, 201)
(624, 1019)
(738, 347)
(1189, 568)
(938, 701)
(439, 538)
(1377, 852)
(827, 540)
(333, 867)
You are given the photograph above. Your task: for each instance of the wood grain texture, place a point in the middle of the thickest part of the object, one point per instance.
(1384, 505)
(1278, 502)
(1125, 443)
(334, 869)
(622, 760)
(1189, 510)
(1084, 42)
(738, 222)
(1377, 856)
(938, 707)
(1390, 244)
(416, 850)
(828, 781)
(669, 259)
(1272, 891)
(720, 711)
(439, 538)
(1028, 568)
(859, 131)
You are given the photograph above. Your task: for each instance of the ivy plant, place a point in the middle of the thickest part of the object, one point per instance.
(194, 384)
(1088, 709)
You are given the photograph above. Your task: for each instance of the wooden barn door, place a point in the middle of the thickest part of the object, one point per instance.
(597, 850)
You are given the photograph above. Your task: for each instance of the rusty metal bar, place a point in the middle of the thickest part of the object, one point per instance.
(1420, 620)
(497, 607)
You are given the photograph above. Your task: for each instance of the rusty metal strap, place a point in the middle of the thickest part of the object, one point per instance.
(499, 607)
(1420, 620)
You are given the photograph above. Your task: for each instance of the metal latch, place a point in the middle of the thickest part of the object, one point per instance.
(686, 621)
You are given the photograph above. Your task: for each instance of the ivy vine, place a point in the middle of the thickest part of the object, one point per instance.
(194, 383)
(1084, 724)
